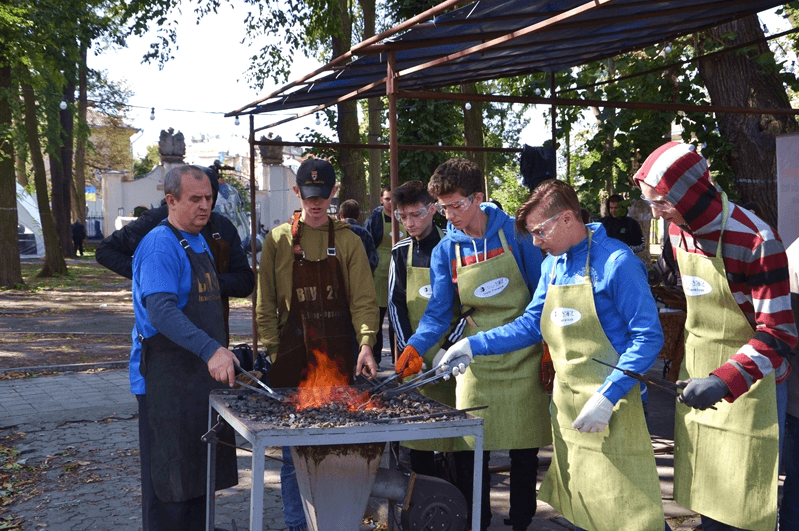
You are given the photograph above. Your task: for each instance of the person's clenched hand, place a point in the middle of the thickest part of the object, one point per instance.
(458, 357)
(221, 367)
(595, 415)
(409, 362)
(701, 393)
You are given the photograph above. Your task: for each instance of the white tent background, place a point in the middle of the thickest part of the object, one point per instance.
(28, 217)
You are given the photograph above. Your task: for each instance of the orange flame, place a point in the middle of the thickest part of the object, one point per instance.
(325, 384)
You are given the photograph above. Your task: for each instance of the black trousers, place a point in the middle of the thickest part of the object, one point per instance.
(523, 473)
(378, 348)
(157, 515)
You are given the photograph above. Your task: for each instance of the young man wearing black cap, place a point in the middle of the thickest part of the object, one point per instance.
(315, 295)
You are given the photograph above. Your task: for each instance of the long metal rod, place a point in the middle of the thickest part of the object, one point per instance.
(403, 147)
(433, 11)
(579, 10)
(566, 102)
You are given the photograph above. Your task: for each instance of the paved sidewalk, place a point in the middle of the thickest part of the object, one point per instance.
(84, 427)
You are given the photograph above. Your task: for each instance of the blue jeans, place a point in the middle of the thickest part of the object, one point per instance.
(789, 510)
(290, 491)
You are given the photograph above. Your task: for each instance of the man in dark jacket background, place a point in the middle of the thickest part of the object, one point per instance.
(379, 226)
(622, 227)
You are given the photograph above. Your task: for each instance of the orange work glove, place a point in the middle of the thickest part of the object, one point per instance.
(409, 362)
(547, 370)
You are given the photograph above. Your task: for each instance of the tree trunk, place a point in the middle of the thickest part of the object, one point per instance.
(61, 175)
(10, 270)
(375, 110)
(735, 79)
(53, 259)
(79, 188)
(473, 130)
(353, 178)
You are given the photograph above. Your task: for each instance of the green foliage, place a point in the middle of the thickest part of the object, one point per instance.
(145, 165)
(505, 187)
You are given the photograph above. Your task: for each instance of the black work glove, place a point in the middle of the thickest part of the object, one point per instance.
(701, 393)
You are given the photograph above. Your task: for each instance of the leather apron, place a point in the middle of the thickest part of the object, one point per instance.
(725, 461)
(417, 294)
(510, 384)
(178, 384)
(380, 274)
(319, 318)
(604, 481)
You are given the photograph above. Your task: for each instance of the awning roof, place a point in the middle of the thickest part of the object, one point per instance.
(555, 35)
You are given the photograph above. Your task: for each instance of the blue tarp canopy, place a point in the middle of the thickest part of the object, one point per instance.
(568, 33)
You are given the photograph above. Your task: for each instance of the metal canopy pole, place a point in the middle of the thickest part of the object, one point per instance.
(554, 119)
(393, 145)
(253, 235)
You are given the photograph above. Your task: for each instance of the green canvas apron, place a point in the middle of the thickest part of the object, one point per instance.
(604, 481)
(509, 384)
(417, 293)
(380, 274)
(725, 461)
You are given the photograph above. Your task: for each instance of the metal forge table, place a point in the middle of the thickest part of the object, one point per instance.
(262, 435)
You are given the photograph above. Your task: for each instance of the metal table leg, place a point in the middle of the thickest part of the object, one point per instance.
(257, 490)
(477, 482)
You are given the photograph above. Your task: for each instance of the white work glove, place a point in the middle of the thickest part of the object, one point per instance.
(459, 356)
(438, 357)
(595, 415)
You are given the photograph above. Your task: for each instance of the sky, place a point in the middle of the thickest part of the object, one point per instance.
(207, 79)
(194, 90)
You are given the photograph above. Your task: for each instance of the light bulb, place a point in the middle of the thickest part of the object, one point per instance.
(63, 105)
(468, 106)
(318, 121)
(152, 113)
(439, 143)
(537, 91)
(236, 121)
(667, 49)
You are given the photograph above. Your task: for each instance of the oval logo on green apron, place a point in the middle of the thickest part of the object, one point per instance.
(426, 291)
(695, 286)
(491, 288)
(565, 316)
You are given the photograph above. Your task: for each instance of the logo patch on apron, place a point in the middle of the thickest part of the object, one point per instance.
(695, 286)
(491, 288)
(565, 316)
(426, 291)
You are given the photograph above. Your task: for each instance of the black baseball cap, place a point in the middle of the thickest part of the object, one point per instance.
(316, 178)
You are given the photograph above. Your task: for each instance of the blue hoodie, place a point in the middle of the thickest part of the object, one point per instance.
(627, 312)
(436, 320)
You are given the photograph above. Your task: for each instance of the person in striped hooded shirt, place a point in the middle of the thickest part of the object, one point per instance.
(739, 331)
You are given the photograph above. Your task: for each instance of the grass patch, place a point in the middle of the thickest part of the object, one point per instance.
(86, 274)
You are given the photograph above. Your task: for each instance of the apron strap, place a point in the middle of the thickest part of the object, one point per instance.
(296, 233)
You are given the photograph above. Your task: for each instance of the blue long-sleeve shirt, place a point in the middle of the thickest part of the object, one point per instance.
(626, 309)
(438, 314)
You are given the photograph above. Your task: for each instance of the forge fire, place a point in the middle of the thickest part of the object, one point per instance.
(324, 400)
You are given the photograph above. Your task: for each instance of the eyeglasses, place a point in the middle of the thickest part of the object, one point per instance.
(457, 206)
(414, 216)
(541, 232)
(656, 203)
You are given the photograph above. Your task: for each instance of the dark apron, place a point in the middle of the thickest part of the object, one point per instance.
(178, 385)
(319, 318)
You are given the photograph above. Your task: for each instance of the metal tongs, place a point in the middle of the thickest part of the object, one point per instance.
(267, 391)
(422, 379)
(669, 387)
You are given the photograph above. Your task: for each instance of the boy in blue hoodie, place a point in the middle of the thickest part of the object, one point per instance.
(482, 261)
